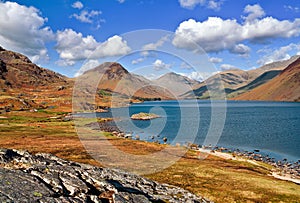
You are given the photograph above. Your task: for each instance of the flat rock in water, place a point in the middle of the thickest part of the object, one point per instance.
(47, 178)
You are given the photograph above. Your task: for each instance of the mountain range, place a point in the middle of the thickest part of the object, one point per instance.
(24, 85)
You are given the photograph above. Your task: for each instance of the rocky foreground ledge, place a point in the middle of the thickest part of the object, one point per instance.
(47, 178)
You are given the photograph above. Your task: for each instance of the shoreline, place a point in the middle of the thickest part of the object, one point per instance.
(283, 169)
(278, 172)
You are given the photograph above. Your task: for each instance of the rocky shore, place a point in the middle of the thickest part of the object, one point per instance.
(283, 168)
(46, 178)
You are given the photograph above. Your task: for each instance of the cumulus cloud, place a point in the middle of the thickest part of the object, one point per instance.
(86, 16)
(214, 5)
(241, 50)
(121, 1)
(77, 5)
(211, 4)
(283, 53)
(254, 12)
(73, 47)
(227, 67)
(216, 34)
(160, 65)
(23, 29)
(215, 60)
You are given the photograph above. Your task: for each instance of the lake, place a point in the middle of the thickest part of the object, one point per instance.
(271, 127)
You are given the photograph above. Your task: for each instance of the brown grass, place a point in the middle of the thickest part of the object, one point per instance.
(215, 178)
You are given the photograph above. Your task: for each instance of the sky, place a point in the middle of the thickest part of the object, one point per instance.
(151, 37)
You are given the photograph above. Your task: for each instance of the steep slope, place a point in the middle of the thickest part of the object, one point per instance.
(24, 85)
(263, 78)
(115, 78)
(238, 81)
(18, 71)
(175, 83)
(284, 87)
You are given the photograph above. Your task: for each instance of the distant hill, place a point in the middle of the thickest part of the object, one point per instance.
(115, 78)
(283, 87)
(238, 81)
(176, 83)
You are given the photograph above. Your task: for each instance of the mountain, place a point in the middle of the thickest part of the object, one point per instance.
(17, 71)
(175, 83)
(283, 87)
(238, 81)
(113, 77)
(24, 85)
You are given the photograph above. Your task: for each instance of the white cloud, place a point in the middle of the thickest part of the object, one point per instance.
(216, 34)
(90, 64)
(241, 49)
(291, 8)
(160, 65)
(215, 60)
(200, 76)
(86, 16)
(23, 29)
(155, 45)
(77, 5)
(121, 1)
(254, 12)
(72, 47)
(211, 4)
(283, 53)
(190, 4)
(227, 67)
(214, 5)
(194, 75)
(137, 61)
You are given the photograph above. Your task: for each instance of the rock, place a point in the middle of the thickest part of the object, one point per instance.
(144, 116)
(60, 88)
(46, 178)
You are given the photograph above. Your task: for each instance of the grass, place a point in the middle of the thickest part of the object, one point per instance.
(215, 178)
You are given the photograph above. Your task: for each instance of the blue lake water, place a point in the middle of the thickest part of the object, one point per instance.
(271, 127)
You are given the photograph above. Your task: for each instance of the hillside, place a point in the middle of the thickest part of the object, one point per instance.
(175, 83)
(113, 77)
(17, 71)
(284, 87)
(24, 85)
(238, 81)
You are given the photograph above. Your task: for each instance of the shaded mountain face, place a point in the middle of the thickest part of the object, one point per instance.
(284, 87)
(238, 81)
(175, 83)
(16, 71)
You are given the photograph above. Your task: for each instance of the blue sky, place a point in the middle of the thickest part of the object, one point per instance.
(64, 35)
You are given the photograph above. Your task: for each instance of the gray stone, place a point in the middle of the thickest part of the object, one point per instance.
(46, 178)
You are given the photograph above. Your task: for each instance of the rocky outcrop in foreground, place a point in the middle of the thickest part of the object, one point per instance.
(46, 178)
